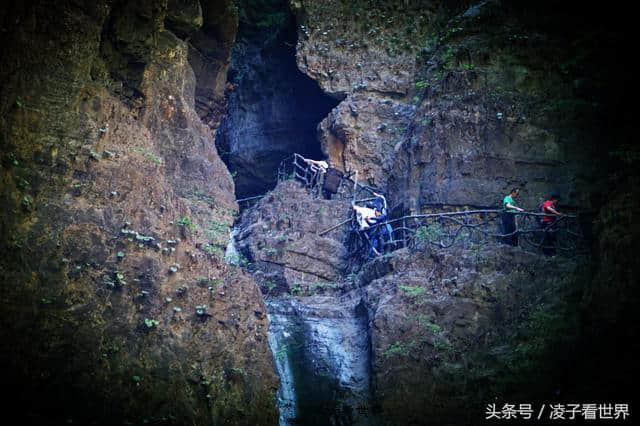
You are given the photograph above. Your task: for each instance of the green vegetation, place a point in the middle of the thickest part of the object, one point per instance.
(10, 159)
(151, 323)
(412, 291)
(202, 311)
(208, 282)
(282, 352)
(148, 155)
(214, 250)
(217, 231)
(239, 260)
(310, 288)
(426, 322)
(200, 195)
(27, 203)
(187, 222)
(268, 286)
(239, 371)
(430, 233)
(296, 289)
(119, 279)
(400, 348)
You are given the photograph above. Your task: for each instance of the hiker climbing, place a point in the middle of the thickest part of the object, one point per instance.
(509, 219)
(380, 203)
(373, 233)
(324, 176)
(548, 222)
(363, 216)
(376, 233)
(366, 218)
(332, 179)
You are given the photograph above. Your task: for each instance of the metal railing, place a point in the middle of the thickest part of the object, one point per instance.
(296, 167)
(245, 203)
(469, 228)
(472, 228)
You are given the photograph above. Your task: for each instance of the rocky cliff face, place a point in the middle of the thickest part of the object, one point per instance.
(453, 330)
(454, 103)
(436, 333)
(117, 305)
(455, 110)
(364, 53)
(116, 209)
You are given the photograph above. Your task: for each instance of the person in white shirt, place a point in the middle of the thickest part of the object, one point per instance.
(363, 216)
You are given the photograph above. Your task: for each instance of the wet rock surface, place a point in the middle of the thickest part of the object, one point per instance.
(321, 347)
(319, 339)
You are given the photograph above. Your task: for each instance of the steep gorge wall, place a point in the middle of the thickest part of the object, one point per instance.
(456, 102)
(453, 103)
(116, 304)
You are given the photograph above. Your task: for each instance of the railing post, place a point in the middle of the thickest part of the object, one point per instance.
(404, 232)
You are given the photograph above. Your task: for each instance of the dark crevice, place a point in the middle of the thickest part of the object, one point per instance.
(274, 109)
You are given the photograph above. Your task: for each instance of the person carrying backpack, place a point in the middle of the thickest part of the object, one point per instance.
(367, 217)
(376, 233)
(386, 230)
(509, 218)
(550, 232)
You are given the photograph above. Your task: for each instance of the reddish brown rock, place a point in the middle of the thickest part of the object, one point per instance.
(116, 209)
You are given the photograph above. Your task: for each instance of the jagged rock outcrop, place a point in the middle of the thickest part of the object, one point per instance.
(503, 100)
(117, 305)
(279, 235)
(363, 53)
(116, 209)
(456, 103)
(417, 333)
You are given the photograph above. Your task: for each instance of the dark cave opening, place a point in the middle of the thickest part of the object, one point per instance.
(274, 109)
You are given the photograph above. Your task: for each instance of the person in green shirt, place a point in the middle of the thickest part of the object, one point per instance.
(509, 219)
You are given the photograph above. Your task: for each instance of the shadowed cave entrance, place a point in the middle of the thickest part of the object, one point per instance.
(274, 109)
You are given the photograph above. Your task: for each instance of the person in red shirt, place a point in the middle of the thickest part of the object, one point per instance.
(549, 241)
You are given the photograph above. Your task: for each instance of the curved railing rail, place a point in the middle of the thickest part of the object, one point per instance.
(473, 228)
(446, 229)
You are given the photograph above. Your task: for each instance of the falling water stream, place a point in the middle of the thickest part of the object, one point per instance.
(321, 350)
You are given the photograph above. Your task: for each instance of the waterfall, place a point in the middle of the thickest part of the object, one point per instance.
(321, 351)
(231, 255)
(280, 341)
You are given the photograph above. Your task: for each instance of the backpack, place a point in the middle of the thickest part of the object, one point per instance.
(332, 180)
